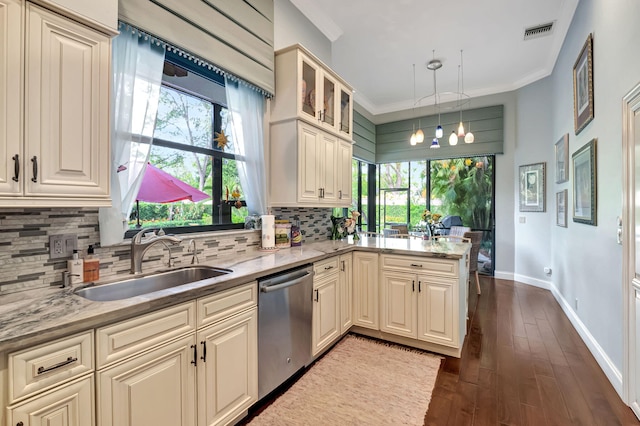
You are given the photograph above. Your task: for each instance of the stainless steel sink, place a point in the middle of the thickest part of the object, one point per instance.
(137, 286)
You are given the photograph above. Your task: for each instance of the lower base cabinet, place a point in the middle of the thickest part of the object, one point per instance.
(227, 369)
(204, 373)
(68, 405)
(424, 299)
(365, 290)
(156, 388)
(326, 305)
(346, 292)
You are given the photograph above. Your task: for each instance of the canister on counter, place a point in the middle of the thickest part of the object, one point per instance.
(296, 235)
(283, 234)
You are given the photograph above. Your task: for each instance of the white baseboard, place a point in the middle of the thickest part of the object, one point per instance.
(502, 275)
(533, 281)
(608, 367)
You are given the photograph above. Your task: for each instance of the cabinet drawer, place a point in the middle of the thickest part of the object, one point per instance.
(325, 267)
(220, 305)
(432, 266)
(35, 369)
(121, 340)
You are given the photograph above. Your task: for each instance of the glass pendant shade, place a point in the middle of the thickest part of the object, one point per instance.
(453, 139)
(414, 140)
(435, 143)
(461, 130)
(439, 132)
(469, 138)
(419, 136)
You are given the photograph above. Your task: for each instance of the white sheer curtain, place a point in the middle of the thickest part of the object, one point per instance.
(137, 74)
(246, 107)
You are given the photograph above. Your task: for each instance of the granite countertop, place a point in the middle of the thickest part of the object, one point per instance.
(36, 316)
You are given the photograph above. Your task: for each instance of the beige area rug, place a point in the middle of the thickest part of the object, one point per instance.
(359, 382)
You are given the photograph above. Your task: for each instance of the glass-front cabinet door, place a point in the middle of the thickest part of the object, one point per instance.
(346, 108)
(328, 117)
(323, 99)
(309, 73)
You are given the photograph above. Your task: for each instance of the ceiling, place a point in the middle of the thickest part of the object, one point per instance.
(376, 42)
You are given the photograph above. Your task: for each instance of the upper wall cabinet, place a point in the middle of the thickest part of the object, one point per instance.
(55, 116)
(309, 90)
(101, 15)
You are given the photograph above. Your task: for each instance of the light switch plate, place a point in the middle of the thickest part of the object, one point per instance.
(62, 245)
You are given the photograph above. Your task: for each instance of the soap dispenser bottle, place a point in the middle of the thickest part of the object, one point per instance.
(75, 268)
(91, 266)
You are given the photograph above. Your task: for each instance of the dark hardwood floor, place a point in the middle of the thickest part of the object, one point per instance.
(523, 363)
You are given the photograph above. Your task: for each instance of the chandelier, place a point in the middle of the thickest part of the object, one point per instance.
(462, 99)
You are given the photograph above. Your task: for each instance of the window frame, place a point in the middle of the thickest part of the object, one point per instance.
(217, 155)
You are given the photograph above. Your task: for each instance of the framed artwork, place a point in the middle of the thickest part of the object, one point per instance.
(562, 159)
(583, 86)
(561, 208)
(584, 184)
(532, 185)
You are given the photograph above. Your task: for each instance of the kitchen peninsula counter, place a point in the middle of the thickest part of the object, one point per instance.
(36, 316)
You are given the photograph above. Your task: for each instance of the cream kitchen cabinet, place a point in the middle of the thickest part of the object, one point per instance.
(228, 355)
(55, 137)
(68, 405)
(146, 372)
(156, 388)
(53, 383)
(343, 168)
(102, 15)
(308, 167)
(346, 292)
(326, 327)
(309, 90)
(365, 290)
(423, 299)
(194, 363)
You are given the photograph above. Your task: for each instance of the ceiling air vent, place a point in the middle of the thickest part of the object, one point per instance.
(538, 31)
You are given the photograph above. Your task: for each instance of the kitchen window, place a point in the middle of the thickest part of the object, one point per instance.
(193, 143)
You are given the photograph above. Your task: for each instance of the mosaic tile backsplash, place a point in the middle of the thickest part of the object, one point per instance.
(24, 244)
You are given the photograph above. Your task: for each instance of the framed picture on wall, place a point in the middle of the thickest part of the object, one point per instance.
(562, 159)
(561, 208)
(532, 197)
(583, 86)
(585, 184)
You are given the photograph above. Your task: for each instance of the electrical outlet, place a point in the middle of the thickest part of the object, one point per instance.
(62, 245)
(576, 303)
(522, 219)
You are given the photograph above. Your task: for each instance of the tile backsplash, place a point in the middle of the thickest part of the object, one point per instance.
(24, 244)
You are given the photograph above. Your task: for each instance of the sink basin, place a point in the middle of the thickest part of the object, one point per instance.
(149, 283)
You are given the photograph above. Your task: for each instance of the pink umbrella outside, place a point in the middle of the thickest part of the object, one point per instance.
(160, 187)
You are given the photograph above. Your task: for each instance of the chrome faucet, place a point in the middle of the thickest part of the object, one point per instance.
(192, 249)
(139, 247)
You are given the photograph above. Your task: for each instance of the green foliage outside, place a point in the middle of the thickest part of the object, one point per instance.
(464, 187)
(188, 120)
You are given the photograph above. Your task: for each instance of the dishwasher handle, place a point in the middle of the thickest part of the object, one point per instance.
(275, 287)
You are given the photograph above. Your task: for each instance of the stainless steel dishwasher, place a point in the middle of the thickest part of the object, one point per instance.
(285, 307)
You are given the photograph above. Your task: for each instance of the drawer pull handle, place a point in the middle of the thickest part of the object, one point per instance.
(19, 424)
(413, 286)
(326, 268)
(419, 286)
(416, 265)
(317, 296)
(16, 167)
(34, 160)
(204, 351)
(70, 360)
